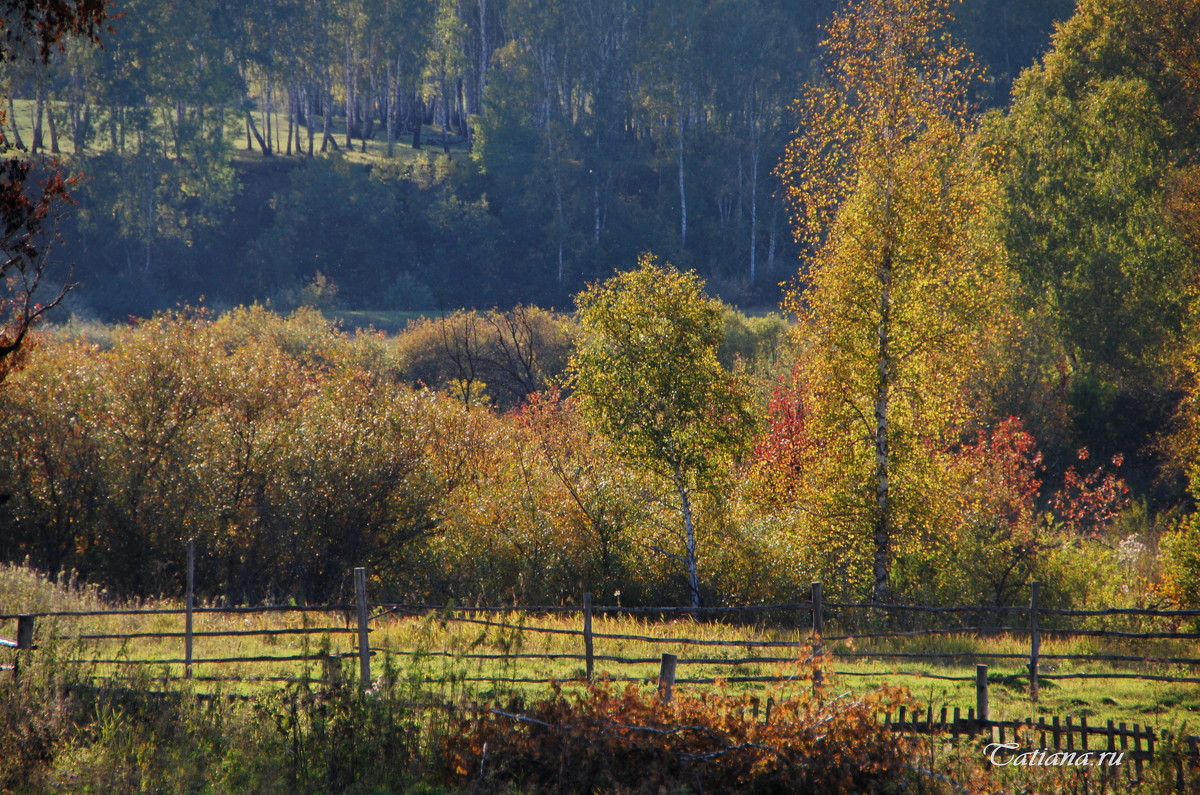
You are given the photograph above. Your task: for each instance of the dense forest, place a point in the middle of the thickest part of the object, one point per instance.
(987, 351)
(430, 154)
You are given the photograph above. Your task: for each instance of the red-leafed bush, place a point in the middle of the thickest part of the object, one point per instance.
(613, 739)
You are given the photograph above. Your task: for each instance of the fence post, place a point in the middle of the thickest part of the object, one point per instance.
(818, 611)
(981, 692)
(24, 633)
(1035, 641)
(190, 602)
(666, 677)
(587, 635)
(24, 642)
(818, 629)
(364, 647)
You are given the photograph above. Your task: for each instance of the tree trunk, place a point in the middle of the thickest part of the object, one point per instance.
(310, 110)
(417, 122)
(39, 104)
(291, 95)
(753, 194)
(682, 191)
(251, 127)
(883, 514)
(392, 96)
(54, 150)
(685, 502)
(16, 127)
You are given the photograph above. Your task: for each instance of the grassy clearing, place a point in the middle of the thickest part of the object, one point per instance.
(389, 321)
(235, 134)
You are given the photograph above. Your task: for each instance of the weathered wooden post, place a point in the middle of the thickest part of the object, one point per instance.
(190, 603)
(818, 629)
(24, 633)
(981, 692)
(364, 646)
(587, 636)
(818, 611)
(1035, 642)
(24, 641)
(666, 677)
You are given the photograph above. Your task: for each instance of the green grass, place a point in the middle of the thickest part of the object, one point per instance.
(235, 134)
(1131, 700)
(390, 321)
(1159, 704)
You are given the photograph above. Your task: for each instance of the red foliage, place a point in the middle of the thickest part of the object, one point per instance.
(610, 739)
(781, 452)
(1087, 503)
(1007, 467)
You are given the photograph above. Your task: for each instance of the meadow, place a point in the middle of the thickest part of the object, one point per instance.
(496, 656)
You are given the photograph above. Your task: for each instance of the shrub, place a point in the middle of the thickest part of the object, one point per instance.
(614, 739)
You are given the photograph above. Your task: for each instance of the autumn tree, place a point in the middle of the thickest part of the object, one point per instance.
(1098, 133)
(905, 284)
(29, 200)
(646, 375)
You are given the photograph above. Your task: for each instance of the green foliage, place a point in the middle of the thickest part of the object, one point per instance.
(646, 374)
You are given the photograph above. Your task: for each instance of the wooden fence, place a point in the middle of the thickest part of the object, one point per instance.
(814, 613)
(363, 613)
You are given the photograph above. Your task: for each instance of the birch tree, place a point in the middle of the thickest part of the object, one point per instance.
(647, 376)
(906, 279)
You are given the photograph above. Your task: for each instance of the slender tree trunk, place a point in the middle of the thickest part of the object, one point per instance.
(36, 145)
(883, 514)
(291, 95)
(392, 96)
(16, 127)
(754, 214)
(562, 227)
(753, 193)
(417, 122)
(327, 120)
(682, 190)
(310, 111)
(252, 128)
(54, 150)
(685, 502)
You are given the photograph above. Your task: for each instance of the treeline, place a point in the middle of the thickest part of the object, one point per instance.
(292, 452)
(519, 149)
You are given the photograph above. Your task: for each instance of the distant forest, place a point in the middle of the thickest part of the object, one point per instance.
(429, 154)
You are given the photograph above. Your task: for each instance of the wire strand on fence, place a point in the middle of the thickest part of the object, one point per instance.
(231, 633)
(920, 675)
(179, 611)
(1141, 676)
(733, 661)
(216, 660)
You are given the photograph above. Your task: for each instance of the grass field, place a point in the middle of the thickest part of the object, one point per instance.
(479, 658)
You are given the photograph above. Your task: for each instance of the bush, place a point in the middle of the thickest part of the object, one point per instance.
(613, 739)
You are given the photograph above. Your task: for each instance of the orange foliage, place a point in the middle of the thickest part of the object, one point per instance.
(614, 739)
